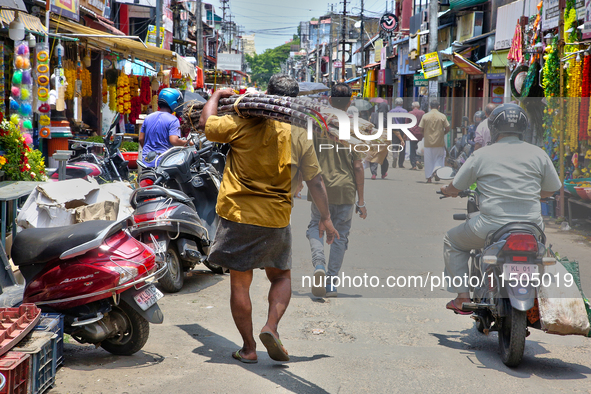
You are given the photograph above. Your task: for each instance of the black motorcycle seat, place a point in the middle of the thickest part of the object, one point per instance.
(147, 193)
(41, 245)
(515, 227)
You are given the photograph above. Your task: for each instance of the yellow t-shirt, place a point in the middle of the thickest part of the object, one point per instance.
(256, 188)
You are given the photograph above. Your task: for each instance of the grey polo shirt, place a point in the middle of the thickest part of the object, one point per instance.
(510, 175)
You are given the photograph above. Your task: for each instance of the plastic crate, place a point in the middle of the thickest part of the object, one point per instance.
(15, 367)
(42, 348)
(54, 323)
(15, 323)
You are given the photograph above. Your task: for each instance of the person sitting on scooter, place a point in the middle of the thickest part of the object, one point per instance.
(161, 129)
(512, 176)
(478, 117)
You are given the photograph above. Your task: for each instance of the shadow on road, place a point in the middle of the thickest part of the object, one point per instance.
(483, 352)
(219, 350)
(197, 280)
(89, 358)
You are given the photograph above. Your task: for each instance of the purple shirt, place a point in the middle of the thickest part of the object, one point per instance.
(158, 127)
(399, 120)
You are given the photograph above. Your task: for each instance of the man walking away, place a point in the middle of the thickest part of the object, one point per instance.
(160, 130)
(398, 139)
(482, 135)
(434, 126)
(416, 131)
(343, 175)
(380, 157)
(254, 205)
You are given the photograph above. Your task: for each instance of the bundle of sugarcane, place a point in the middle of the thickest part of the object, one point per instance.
(294, 110)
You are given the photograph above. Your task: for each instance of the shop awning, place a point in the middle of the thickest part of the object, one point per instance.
(457, 4)
(372, 65)
(126, 46)
(477, 38)
(32, 23)
(352, 80)
(466, 65)
(13, 5)
(485, 59)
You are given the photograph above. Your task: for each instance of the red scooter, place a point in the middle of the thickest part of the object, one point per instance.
(98, 276)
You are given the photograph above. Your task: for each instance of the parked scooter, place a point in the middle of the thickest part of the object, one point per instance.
(505, 272)
(181, 217)
(98, 276)
(112, 166)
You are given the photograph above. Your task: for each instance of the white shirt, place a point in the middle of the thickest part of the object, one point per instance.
(482, 134)
(510, 175)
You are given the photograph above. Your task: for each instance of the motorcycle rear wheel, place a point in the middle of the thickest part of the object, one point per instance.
(512, 334)
(173, 279)
(133, 337)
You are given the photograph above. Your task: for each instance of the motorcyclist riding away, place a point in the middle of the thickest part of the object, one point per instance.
(512, 176)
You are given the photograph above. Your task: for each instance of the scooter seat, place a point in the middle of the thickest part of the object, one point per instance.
(41, 245)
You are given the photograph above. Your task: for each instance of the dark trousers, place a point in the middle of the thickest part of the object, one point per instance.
(373, 167)
(401, 155)
(413, 152)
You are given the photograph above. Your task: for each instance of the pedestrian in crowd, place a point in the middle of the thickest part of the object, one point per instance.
(254, 205)
(416, 131)
(161, 129)
(379, 155)
(434, 126)
(398, 139)
(478, 117)
(343, 175)
(482, 134)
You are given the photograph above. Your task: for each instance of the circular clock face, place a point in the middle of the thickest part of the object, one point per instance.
(388, 22)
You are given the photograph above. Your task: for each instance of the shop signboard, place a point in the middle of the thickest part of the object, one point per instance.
(431, 65)
(497, 92)
(587, 19)
(96, 6)
(470, 25)
(152, 36)
(230, 61)
(550, 14)
(403, 61)
(66, 8)
(419, 80)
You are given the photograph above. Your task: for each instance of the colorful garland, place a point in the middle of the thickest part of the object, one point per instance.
(123, 96)
(105, 91)
(146, 91)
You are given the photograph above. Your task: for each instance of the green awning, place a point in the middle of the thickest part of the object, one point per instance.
(457, 4)
(499, 59)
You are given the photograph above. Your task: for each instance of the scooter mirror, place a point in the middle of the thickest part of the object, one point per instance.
(151, 156)
(445, 173)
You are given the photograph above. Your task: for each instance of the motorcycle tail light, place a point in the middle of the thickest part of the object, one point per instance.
(159, 214)
(146, 182)
(126, 273)
(521, 242)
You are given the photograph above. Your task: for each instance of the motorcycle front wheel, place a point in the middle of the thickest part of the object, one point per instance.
(512, 333)
(132, 336)
(173, 279)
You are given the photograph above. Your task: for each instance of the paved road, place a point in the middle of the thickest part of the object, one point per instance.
(376, 341)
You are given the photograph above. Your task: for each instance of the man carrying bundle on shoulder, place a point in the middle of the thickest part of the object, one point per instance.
(254, 205)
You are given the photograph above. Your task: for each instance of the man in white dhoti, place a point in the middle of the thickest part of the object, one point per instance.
(434, 126)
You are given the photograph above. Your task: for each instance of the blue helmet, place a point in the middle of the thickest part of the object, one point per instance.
(171, 98)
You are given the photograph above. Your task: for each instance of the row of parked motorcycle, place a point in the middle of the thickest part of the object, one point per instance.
(101, 274)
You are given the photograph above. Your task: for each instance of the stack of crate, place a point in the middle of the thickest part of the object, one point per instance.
(42, 347)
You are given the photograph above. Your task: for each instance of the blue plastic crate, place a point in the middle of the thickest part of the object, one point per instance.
(54, 322)
(42, 346)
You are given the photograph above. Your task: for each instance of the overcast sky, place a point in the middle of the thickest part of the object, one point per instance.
(275, 22)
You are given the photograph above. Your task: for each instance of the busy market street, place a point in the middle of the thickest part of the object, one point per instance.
(350, 344)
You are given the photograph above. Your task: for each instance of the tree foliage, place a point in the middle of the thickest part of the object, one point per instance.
(263, 66)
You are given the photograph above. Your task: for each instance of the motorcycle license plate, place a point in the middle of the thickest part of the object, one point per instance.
(519, 270)
(148, 297)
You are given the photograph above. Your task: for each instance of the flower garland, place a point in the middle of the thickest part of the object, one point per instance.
(70, 75)
(585, 94)
(123, 96)
(113, 98)
(105, 91)
(86, 79)
(146, 91)
(572, 108)
(133, 86)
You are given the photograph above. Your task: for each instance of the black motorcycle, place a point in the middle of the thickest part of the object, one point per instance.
(176, 214)
(112, 164)
(504, 278)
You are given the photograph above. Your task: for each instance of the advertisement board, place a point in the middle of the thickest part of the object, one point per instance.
(431, 65)
(66, 8)
(230, 61)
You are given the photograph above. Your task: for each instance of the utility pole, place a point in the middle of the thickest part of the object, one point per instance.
(318, 53)
(199, 34)
(362, 52)
(330, 50)
(224, 8)
(433, 37)
(344, 35)
(158, 21)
